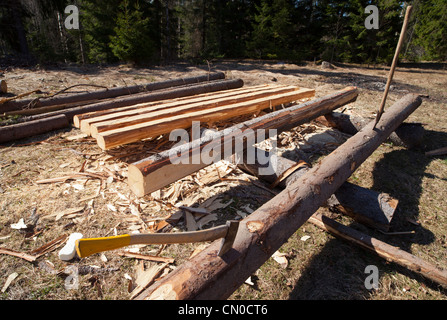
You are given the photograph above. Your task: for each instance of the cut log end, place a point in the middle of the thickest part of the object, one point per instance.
(85, 127)
(92, 130)
(102, 143)
(136, 180)
(76, 122)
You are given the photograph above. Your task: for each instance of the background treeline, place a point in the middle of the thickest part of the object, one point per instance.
(160, 31)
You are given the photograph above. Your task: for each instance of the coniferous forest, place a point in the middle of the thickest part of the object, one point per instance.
(161, 31)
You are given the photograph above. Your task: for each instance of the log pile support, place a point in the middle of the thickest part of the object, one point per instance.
(363, 205)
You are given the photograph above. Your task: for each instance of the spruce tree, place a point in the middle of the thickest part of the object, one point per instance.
(272, 35)
(97, 23)
(131, 41)
(431, 29)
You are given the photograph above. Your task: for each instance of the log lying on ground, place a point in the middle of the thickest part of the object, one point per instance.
(181, 118)
(208, 276)
(190, 90)
(157, 171)
(437, 152)
(32, 128)
(109, 93)
(363, 205)
(47, 109)
(382, 249)
(408, 135)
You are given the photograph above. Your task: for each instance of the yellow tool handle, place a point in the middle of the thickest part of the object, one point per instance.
(86, 247)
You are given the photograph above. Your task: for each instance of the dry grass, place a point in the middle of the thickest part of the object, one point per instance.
(322, 267)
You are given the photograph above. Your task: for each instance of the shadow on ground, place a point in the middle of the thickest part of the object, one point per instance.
(338, 271)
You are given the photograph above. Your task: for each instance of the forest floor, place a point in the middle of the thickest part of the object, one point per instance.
(314, 264)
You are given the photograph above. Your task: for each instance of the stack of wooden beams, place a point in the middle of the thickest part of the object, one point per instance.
(157, 171)
(45, 114)
(116, 127)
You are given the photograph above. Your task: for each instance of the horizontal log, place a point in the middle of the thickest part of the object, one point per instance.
(172, 93)
(164, 110)
(109, 93)
(382, 249)
(437, 152)
(365, 206)
(408, 135)
(207, 276)
(156, 126)
(32, 128)
(47, 109)
(157, 171)
(43, 110)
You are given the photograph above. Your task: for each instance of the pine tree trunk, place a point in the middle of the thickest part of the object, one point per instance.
(18, 24)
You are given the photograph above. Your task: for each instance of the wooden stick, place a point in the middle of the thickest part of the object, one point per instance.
(394, 64)
(437, 152)
(157, 171)
(74, 175)
(50, 246)
(23, 255)
(145, 257)
(17, 97)
(207, 276)
(382, 249)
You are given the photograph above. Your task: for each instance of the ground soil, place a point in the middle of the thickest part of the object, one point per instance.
(319, 266)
